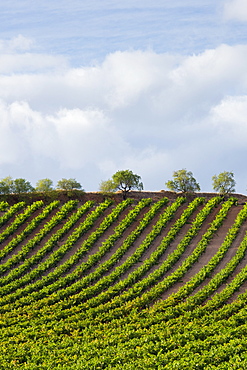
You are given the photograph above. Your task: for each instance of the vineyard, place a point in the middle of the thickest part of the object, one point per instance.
(133, 284)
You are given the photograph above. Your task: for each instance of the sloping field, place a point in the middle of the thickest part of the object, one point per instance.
(135, 284)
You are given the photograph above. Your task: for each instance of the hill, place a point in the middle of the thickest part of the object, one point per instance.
(157, 281)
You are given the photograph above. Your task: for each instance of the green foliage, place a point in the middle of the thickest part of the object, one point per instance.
(22, 186)
(11, 212)
(68, 184)
(6, 185)
(86, 286)
(44, 185)
(107, 186)
(3, 206)
(124, 180)
(183, 181)
(18, 186)
(224, 183)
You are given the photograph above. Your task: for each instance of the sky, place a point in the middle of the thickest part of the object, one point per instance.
(91, 87)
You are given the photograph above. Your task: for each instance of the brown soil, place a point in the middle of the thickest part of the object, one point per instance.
(212, 248)
(98, 197)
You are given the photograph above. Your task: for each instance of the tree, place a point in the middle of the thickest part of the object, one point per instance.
(183, 181)
(44, 185)
(124, 181)
(107, 186)
(6, 185)
(224, 183)
(22, 186)
(68, 184)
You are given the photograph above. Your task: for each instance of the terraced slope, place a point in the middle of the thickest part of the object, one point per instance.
(131, 285)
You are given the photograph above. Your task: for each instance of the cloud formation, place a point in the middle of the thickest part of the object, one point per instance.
(152, 113)
(236, 10)
(18, 43)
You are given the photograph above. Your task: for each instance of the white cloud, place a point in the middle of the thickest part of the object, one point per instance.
(16, 44)
(152, 113)
(71, 137)
(33, 63)
(236, 9)
(229, 118)
(17, 56)
(84, 137)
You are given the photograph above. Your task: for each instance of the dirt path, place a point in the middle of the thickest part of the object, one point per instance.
(212, 248)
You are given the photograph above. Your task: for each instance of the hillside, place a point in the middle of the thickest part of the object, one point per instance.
(154, 282)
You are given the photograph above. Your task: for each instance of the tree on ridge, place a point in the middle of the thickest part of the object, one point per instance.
(183, 181)
(68, 184)
(124, 180)
(224, 183)
(44, 185)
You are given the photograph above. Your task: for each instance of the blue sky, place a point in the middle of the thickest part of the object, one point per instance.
(89, 30)
(91, 87)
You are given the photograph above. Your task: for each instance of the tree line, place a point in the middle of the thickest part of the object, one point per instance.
(8, 185)
(183, 181)
(124, 181)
